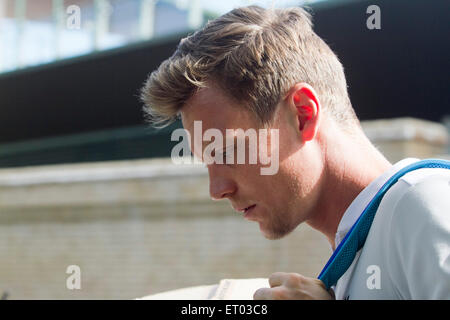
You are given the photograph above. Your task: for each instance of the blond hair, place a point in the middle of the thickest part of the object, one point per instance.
(255, 55)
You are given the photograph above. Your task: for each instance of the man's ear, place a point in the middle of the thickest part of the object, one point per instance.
(305, 106)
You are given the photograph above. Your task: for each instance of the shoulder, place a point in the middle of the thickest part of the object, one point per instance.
(418, 235)
(417, 195)
(426, 175)
(425, 197)
(419, 203)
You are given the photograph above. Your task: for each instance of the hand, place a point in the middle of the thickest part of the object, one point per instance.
(293, 286)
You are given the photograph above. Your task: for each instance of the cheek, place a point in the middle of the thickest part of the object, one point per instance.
(287, 183)
(249, 173)
(276, 189)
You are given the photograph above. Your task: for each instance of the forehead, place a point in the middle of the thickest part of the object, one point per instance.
(216, 110)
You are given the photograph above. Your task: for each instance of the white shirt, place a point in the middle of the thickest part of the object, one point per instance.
(407, 251)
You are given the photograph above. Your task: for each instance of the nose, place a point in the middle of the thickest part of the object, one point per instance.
(220, 186)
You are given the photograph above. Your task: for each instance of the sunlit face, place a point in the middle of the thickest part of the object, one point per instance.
(279, 202)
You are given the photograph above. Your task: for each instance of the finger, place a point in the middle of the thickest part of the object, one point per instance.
(263, 294)
(277, 279)
(332, 294)
(321, 284)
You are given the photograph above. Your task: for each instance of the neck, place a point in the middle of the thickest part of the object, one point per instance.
(344, 178)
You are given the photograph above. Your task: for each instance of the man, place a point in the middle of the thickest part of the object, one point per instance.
(257, 68)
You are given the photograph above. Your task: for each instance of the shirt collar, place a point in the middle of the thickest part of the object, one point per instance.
(364, 197)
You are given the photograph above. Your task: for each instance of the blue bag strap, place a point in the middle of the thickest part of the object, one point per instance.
(354, 240)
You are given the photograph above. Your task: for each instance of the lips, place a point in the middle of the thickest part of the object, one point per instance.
(247, 212)
(244, 209)
(249, 208)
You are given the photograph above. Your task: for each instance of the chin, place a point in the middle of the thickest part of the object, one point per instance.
(271, 234)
